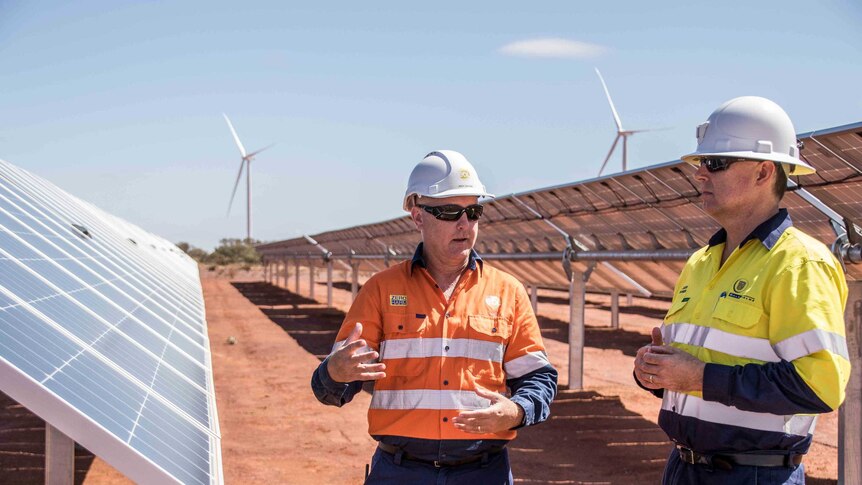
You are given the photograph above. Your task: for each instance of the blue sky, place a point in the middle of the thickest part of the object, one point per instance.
(120, 102)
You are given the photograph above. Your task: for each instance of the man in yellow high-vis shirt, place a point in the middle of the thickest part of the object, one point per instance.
(753, 346)
(452, 335)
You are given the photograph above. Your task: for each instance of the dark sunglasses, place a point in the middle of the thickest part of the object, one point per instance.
(452, 212)
(717, 164)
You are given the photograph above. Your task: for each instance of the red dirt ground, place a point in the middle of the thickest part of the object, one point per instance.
(274, 431)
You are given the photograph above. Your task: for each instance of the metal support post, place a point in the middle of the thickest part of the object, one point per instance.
(286, 272)
(311, 275)
(354, 281)
(59, 457)
(615, 309)
(577, 299)
(630, 299)
(329, 283)
(296, 275)
(850, 413)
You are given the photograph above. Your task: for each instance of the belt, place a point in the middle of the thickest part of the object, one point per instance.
(394, 450)
(727, 460)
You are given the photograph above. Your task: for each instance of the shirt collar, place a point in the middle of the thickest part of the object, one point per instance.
(767, 232)
(471, 261)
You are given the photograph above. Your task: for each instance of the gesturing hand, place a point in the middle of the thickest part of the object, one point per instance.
(502, 415)
(354, 361)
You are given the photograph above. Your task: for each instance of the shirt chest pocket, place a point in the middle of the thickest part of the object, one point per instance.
(483, 327)
(403, 349)
(736, 313)
(486, 346)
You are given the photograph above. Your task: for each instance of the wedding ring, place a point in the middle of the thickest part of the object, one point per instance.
(650, 378)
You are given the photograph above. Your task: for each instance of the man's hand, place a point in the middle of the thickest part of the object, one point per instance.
(660, 366)
(502, 415)
(354, 361)
(645, 373)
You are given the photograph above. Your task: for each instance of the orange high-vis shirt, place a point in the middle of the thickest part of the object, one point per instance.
(437, 352)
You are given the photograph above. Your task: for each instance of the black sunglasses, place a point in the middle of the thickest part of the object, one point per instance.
(717, 164)
(452, 212)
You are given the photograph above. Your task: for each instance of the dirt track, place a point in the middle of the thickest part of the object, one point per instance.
(274, 431)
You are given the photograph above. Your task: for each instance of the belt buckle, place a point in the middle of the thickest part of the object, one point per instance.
(686, 454)
(437, 464)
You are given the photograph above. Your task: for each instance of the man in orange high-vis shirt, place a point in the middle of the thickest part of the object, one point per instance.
(447, 339)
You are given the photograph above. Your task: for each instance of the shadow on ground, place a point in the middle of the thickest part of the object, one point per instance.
(590, 438)
(22, 447)
(341, 285)
(312, 325)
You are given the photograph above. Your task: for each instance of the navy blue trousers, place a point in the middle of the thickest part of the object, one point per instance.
(678, 472)
(384, 471)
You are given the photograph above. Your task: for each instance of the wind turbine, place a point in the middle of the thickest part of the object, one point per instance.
(244, 162)
(621, 133)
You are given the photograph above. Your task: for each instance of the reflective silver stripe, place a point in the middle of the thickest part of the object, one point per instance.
(714, 412)
(806, 343)
(428, 399)
(525, 364)
(726, 342)
(437, 347)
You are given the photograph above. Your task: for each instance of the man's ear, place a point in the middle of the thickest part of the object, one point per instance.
(765, 172)
(417, 215)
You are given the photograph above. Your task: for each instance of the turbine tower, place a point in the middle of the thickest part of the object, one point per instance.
(245, 162)
(621, 133)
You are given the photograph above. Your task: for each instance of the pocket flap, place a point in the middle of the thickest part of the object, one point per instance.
(492, 326)
(738, 313)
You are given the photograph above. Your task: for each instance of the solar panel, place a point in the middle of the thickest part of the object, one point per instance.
(651, 209)
(103, 334)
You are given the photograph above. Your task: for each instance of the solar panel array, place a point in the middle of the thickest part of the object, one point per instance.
(636, 224)
(103, 334)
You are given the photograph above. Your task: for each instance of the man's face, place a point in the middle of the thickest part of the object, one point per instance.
(446, 242)
(731, 193)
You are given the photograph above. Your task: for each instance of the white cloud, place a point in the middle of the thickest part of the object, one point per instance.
(553, 48)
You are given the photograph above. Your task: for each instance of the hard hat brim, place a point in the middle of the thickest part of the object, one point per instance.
(801, 168)
(466, 191)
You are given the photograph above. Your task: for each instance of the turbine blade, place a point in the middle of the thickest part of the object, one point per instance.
(610, 152)
(610, 101)
(649, 129)
(252, 154)
(235, 185)
(235, 137)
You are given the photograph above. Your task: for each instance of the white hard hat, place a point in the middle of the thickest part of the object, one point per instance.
(444, 173)
(750, 127)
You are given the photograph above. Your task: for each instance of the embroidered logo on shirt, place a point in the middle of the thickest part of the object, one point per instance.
(398, 300)
(493, 302)
(740, 285)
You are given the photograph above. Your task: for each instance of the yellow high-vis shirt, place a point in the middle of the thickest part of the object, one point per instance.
(769, 323)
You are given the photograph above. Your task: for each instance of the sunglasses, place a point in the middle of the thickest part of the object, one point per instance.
(717, 164)
(452, 212)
